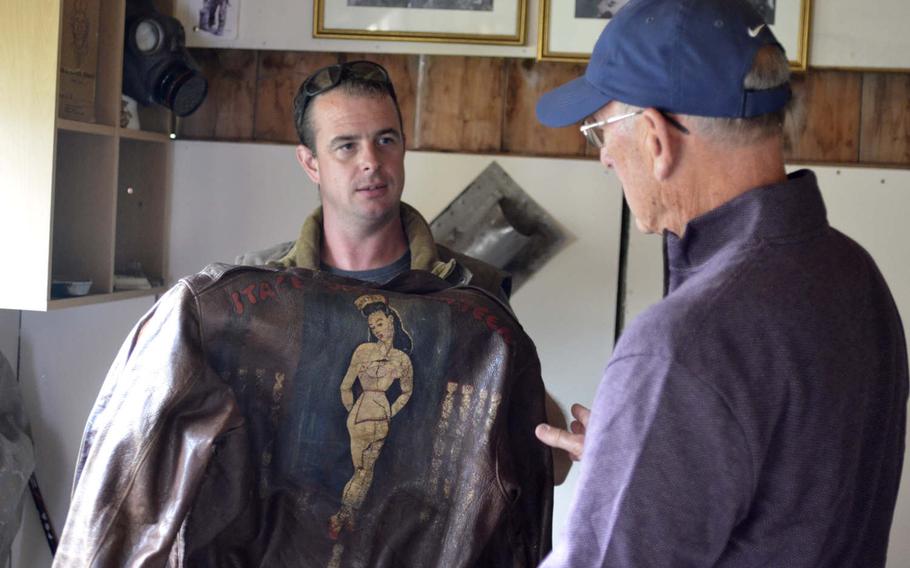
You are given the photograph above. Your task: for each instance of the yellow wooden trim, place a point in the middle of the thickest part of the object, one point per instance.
(891, 70)
(802, 50)
(85, 127)
(143, 135)
(543, 40)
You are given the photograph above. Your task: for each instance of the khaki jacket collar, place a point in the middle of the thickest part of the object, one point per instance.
(307, 250)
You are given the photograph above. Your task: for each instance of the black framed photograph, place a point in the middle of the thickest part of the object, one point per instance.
(447, 21)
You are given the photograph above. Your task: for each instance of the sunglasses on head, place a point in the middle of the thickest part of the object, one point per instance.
(328, 78)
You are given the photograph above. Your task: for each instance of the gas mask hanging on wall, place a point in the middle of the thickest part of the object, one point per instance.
(157, 68)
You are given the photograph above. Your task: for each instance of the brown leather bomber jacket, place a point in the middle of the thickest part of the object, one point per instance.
(286, 417)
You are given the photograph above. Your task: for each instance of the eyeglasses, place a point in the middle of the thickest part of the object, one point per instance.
(593, 131)
(328, 78)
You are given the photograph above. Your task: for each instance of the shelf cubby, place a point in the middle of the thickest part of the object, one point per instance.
(84, 209)
(142, 189)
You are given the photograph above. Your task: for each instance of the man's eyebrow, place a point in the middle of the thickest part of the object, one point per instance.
(343, 138)
(389, 131)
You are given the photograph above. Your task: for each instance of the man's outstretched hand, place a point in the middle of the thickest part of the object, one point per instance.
(573, 440)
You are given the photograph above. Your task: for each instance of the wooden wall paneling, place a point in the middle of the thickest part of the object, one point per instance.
(459, 104)
(886, 118)
(828, 117)
(279, 77)
(403, 70)
(795, 119)
(522, 133)
(227, 112)
(481, 104)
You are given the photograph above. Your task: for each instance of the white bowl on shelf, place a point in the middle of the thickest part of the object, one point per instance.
(70, 288)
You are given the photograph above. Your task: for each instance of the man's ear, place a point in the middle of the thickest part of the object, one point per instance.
(662, 144)
(308, 162)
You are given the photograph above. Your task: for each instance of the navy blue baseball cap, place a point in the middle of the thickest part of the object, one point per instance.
(679, 56)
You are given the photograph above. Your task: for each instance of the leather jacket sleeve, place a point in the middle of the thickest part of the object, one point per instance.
(155, 421)
(529, 514)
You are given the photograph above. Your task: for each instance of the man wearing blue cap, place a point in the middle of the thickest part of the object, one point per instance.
(756, 415)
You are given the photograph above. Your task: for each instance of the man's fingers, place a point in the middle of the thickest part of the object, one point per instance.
(558, 438)
(577, 427)
(547, 434)
(581, 414)
(572, 442)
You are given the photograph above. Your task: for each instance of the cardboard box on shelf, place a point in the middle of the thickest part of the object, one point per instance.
(79, 59)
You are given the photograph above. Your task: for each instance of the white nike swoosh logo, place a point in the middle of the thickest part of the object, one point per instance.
(753, 32)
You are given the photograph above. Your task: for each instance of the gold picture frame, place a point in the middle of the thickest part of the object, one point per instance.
(563, 37)
(505, 23)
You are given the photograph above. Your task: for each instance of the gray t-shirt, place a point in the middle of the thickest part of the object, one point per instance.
(756, 415)
(379, 275)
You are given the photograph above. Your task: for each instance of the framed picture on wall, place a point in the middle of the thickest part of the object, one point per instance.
(569, 28)
(500, 22)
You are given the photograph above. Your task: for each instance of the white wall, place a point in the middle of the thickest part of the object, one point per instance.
(846, 33)
(567, 308)
(228, 199)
